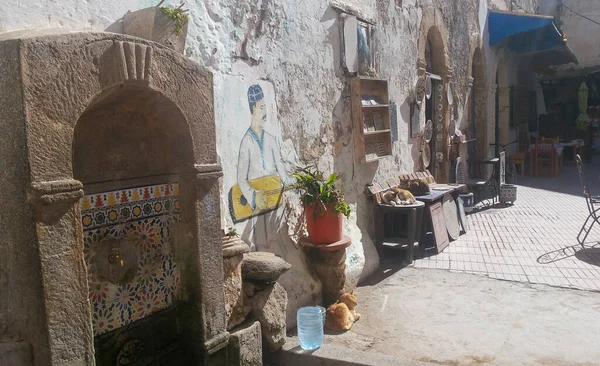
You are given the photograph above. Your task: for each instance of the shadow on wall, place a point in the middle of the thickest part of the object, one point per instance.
(362, 258)
(116, 27)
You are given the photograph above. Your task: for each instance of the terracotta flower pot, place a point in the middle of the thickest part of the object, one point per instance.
(323, 229)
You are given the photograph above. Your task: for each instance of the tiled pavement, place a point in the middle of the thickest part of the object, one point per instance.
(535, 239)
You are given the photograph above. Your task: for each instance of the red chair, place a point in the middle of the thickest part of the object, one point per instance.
(545, 155)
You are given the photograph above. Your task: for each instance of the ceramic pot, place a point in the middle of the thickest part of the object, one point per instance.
(323, 229)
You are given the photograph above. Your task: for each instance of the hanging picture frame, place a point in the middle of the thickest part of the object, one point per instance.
(415, 122)
(365, 48)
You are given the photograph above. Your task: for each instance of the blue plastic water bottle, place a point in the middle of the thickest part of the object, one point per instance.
(310, 327)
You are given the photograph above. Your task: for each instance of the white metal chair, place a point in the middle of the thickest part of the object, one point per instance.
(592, 204)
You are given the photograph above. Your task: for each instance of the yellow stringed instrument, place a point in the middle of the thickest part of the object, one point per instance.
(239, 206)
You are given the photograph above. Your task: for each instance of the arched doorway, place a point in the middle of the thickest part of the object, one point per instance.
(435, 105)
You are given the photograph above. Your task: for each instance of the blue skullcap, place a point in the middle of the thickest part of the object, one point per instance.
(255, 94)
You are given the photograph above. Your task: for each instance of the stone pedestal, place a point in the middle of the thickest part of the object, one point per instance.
(233, 254)
(329, 261)
(245, 345)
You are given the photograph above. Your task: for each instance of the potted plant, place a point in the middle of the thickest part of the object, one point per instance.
(324, 205)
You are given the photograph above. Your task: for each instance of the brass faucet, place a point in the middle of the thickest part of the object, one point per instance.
(115, 256)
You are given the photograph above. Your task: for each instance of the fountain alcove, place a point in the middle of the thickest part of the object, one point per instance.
(111, 228)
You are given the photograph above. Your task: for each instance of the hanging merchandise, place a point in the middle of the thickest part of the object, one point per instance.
(452, 128)
(449, 95)
(428, 134)
(420, 90)
(426, 156)
(428, 87)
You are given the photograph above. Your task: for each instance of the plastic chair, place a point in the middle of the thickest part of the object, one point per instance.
(592, 202)
(544, 154)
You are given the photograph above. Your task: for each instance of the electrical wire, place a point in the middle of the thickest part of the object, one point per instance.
(581, 15)
(518, 6)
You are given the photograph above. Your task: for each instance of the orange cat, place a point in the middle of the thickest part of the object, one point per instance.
(341, 315)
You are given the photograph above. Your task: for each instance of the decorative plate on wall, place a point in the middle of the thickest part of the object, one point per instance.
(421, 84)
(426, 156)
(428, 134)
(452, 128)
(449, 95)
(428, 87)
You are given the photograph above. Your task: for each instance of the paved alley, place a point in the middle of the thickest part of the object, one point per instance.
(534, 240)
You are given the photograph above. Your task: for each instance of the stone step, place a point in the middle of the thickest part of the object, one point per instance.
(333, 355)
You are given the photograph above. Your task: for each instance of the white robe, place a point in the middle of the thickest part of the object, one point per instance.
(259, 157)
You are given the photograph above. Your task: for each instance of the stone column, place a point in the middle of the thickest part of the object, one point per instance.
(504, 113)
(329, 261)
(64, 276)
(233, 254)
(203, 258)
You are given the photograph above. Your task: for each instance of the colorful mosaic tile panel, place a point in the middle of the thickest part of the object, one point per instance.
(142, 215)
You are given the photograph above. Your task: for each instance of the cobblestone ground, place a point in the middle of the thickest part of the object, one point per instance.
(534, 240)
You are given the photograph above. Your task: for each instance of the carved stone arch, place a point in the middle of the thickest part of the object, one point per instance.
(64, 79)
(433, 30)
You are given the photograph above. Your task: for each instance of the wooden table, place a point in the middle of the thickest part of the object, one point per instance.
(388, 214)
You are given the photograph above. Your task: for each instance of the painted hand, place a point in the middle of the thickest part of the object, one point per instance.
(260, 200)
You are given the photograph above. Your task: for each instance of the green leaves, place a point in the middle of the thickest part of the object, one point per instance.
(315, 189)
(178, 16)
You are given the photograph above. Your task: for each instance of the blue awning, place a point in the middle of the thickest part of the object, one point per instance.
(530, 34)
(503, 24)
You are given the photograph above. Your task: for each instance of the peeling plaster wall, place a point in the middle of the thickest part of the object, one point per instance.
(578, 29)
(291, 48)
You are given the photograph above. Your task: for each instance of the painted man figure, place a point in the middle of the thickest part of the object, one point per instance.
(260, 168)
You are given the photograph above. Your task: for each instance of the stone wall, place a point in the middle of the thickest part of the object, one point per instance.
(21, 299)
(292, 50)
(578, 29)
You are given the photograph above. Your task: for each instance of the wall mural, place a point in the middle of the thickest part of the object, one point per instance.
(260, 170)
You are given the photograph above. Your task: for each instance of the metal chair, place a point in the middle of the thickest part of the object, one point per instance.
(477, 186)
(592, 202)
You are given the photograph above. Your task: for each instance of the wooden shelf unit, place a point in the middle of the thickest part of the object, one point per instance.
(372, 126)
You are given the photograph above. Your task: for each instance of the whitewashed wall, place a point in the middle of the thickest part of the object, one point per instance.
(292, 49)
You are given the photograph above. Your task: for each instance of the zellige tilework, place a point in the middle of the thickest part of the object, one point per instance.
(142, 215)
